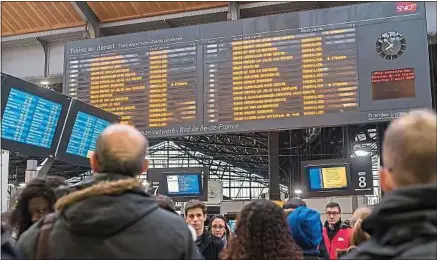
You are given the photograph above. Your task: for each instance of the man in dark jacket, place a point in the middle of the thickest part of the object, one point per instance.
(195, 215)
(404, 224)
(110, 215)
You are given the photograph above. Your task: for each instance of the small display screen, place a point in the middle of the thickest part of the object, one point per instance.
(327, 178)
(86, 130)
(393, 84)
(30, 119)
(184, 185)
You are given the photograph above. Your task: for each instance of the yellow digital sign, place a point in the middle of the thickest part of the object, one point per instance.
(334, 177)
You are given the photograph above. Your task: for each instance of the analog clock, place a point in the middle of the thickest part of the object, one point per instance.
(391, 45)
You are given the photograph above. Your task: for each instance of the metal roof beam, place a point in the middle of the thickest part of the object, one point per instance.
(87, 14)
(234, 11)
(49, 36)
(146, 20)
(165, 21)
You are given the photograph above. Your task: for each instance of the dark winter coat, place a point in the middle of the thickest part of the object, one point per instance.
(402, 226)
(210, 246)
(110, 216)
(9, 252)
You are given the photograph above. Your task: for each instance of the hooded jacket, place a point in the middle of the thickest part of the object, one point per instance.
(110, 216)
(306, 229)
(402, 226)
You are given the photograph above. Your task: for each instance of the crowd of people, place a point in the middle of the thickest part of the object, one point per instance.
(112, 215)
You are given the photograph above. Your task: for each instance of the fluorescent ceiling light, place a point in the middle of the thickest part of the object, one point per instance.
(361, 153)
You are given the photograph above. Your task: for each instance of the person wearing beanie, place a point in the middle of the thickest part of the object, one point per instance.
(293, 204)
(306, 229)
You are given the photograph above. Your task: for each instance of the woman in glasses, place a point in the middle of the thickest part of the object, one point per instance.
(35, 201)
(218, 228)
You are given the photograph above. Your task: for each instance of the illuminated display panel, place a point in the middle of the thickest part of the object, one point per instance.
(32, 117)
(86, 130)
(303, 69)
(155, 88)
(82, 129)
(323, 178)
(337, 177)
(184, 184)
(282, 75)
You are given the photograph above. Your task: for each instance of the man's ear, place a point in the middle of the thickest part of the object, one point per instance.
(386, 180)
(145, 165)
(94, 163)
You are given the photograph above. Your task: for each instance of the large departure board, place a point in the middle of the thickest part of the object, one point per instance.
(32, 117)
(82, 129)
(344, 65)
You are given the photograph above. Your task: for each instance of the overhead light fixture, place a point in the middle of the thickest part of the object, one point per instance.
(298, 191)
(22, 184)
(44, 83)
(361, 153)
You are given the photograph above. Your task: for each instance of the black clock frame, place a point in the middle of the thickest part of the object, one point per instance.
(400, 41)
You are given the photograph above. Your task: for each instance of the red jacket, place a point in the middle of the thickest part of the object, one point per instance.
(340, 238)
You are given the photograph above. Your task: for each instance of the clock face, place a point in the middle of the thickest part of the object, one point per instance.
(391, 45)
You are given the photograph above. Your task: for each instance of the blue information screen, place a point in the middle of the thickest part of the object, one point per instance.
(86, 130)
(30, 119)
(183, 184)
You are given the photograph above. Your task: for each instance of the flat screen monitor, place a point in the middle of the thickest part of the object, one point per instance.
(326, 178)
(83, 127)
(184, 184)
(181, 184)
(337, 177)
(32, 117)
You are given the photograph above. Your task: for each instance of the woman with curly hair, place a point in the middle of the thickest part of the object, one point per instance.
(261, 233)
(34, 202)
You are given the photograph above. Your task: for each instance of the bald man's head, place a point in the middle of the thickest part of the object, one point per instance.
(120, 149)
(409, 150)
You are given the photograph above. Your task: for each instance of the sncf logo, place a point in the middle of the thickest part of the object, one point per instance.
(406, 7)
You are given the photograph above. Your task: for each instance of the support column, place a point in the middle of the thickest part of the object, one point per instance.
(347, 147)
(91, 19)
(274, 189)
(48, 162)
(31, 170)
(4, 177)
(234, 11)
(380, 128)
(45, 48)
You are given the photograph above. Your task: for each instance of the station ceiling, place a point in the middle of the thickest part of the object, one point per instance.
(30, 17)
